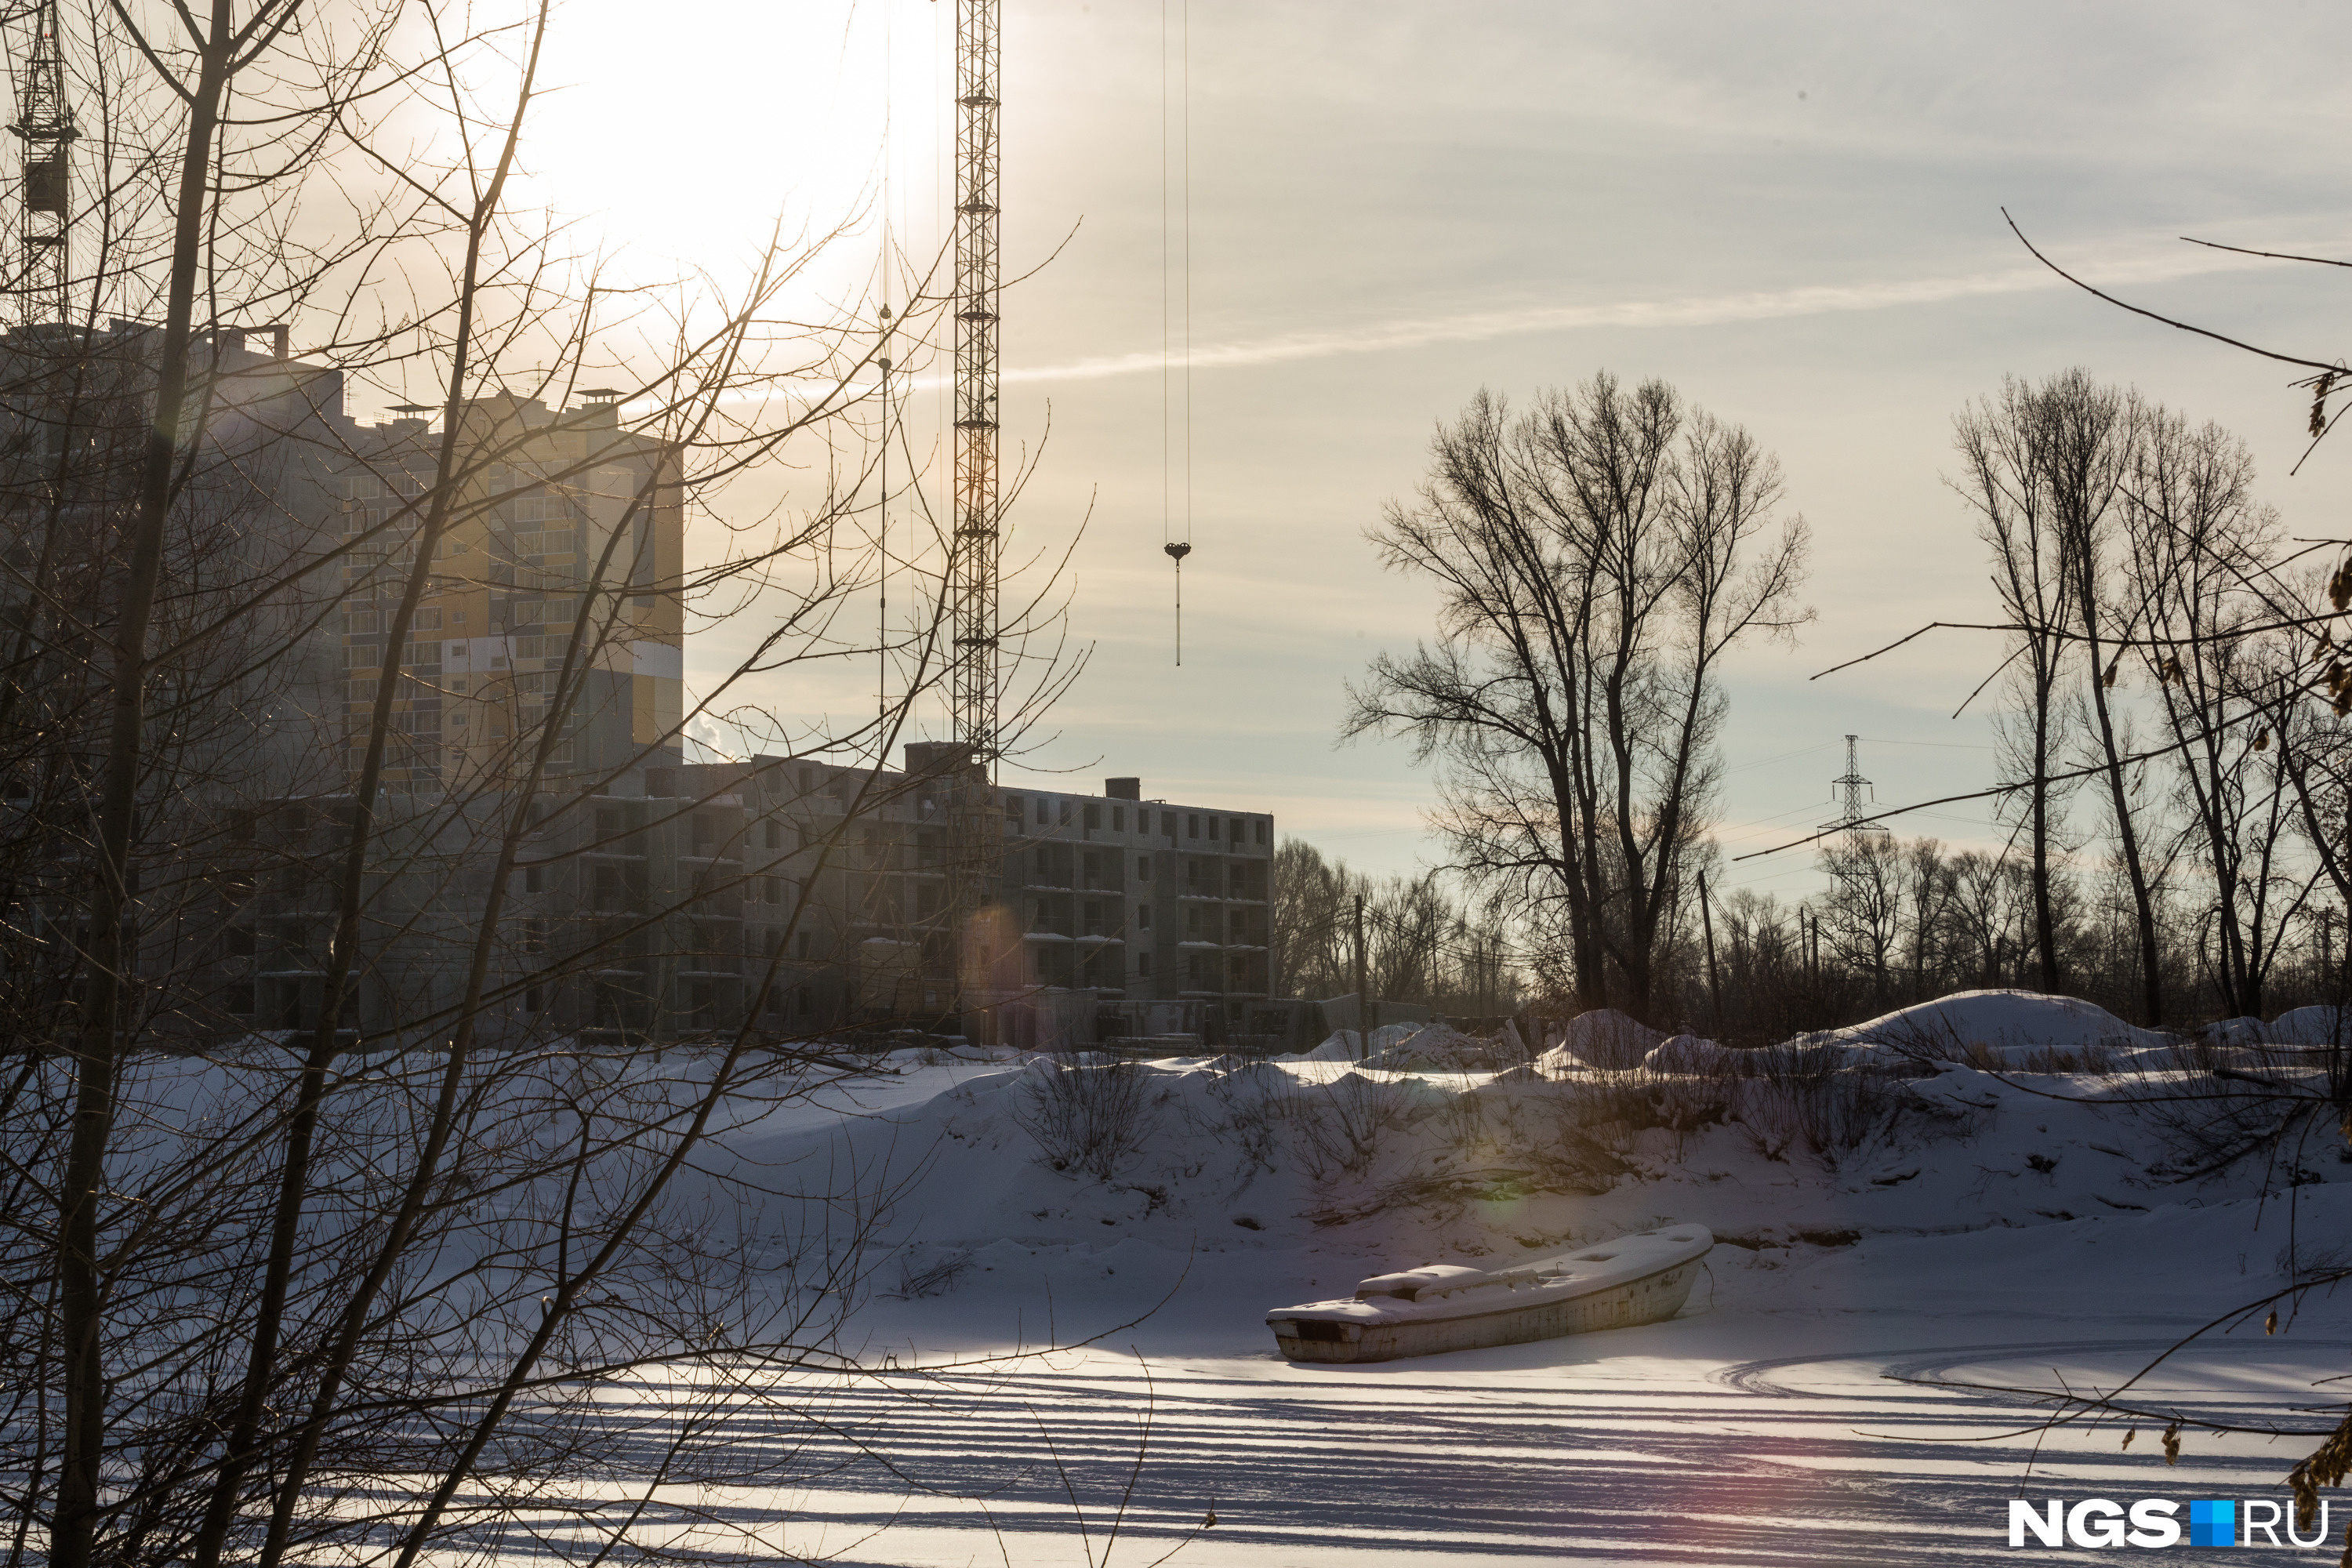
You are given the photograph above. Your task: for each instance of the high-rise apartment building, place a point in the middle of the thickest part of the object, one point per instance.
(563, 539)
(649, 897)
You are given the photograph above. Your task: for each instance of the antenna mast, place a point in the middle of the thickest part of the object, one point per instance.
(973, 692)
(45, 124)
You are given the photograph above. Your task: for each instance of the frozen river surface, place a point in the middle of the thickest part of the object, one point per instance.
(1636, 1445)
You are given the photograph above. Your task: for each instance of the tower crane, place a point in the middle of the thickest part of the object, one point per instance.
(45, 124)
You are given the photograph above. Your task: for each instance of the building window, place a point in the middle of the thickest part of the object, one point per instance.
(1192, 826)
(1064, 815)
(1143, 964)
(1119, 820)
(775, 834)
(1144, 867)
(1261, 830)
(1093, 816)
(1236, 834)
(1143, 917)
(1041, 811)
(1012, 808)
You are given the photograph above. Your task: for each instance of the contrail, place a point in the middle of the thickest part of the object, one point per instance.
(1707, 310)
(1757, 305)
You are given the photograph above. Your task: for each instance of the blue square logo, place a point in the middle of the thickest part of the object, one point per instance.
(2212, 1524)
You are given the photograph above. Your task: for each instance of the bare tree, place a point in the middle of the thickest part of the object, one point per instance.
(2087, 437)
(2199, 544)
(1864, 907)
(1929, 891)
(1597, 559)
(2008, 482)
(283, 1284)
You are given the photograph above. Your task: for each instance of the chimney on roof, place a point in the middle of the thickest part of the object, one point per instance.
(1123, 789)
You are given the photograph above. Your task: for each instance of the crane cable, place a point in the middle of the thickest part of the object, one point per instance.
(882, 610)
(1176, 548)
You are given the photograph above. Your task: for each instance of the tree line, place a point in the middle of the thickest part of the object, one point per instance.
(2168, 700)
(1403, 939)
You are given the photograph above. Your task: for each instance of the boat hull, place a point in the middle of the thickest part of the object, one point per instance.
(1648, 1299)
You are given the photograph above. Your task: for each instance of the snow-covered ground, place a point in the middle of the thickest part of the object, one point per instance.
(2021, 1231)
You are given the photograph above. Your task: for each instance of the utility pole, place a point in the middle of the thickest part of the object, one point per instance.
(1714, 980)
(1363, 988)
(46, 126)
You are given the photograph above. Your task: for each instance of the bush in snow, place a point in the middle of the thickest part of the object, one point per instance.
(1087, 1118)
(1836, 1115)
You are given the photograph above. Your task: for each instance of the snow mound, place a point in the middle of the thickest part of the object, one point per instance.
(1340, 1048)
(1690, 1054)
(2301, 1027)
(2012, 1029)
(1440, 1048)
(1604, 1038)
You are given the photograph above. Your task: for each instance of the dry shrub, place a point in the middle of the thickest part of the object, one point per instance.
(1802, 1097)
(1256, 1113)
(2212, 1106)
(1339, 1126)
(1086, 1118)
(1589, 1125)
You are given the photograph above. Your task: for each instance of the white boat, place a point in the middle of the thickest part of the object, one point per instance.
(1640, 1279)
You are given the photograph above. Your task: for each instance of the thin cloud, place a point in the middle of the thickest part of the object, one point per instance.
(1709, 311)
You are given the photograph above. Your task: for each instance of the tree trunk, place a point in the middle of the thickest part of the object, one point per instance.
(111, 958)
(2126, 833)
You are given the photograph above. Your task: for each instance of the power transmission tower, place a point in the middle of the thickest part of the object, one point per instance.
(972, 689)
(45, 124)
(1851, 788)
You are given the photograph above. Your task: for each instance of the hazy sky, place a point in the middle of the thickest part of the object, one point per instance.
(1790, 212)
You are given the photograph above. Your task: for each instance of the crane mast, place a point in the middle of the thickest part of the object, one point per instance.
(45, 124)
(973, 688)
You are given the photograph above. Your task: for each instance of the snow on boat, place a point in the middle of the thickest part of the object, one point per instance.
(1641, 1279)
